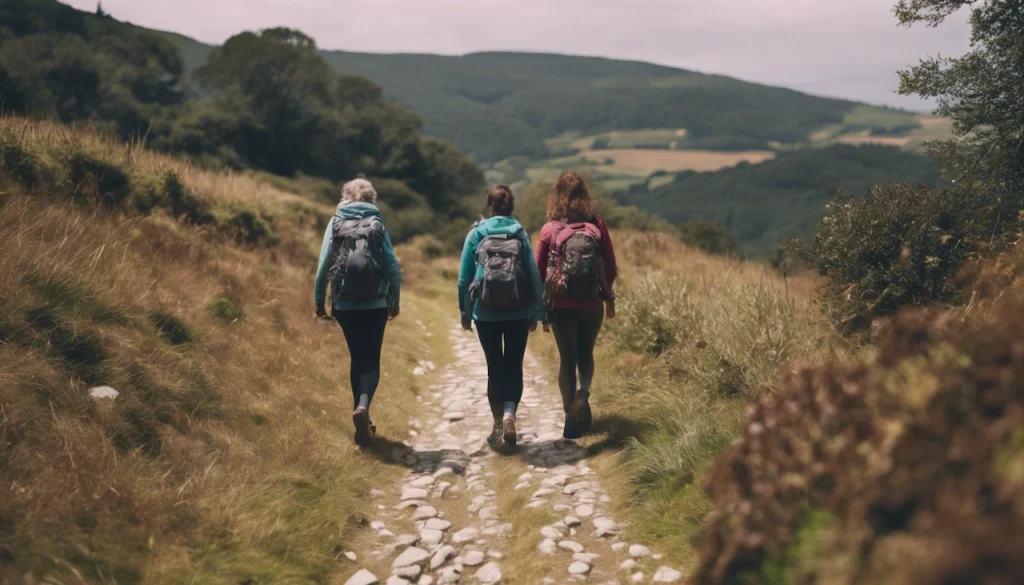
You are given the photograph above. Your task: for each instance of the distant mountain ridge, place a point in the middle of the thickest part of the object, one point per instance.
(495, 105)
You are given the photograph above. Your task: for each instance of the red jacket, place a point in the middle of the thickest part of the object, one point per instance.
(547, 236)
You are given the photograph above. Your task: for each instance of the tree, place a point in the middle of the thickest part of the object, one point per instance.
(982, 92)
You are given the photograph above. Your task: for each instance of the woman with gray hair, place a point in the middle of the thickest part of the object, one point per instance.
(358, 260)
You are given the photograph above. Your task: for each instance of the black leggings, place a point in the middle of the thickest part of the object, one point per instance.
(504, 344)
(576, 333)
(364, 333)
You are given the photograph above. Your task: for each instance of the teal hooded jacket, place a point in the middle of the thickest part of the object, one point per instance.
(470, 271)
(392, 273)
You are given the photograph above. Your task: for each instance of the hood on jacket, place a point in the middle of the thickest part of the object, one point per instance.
(498, 225)
(356, 210)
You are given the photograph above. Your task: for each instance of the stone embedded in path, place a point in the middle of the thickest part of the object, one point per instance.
(489, 573)
(579, 568)
(551, 532)
(437, 524)
(627, 564)
(572, 488)
(431, 537)
(396, 580)
(558, 480)
(667, 575)
(548, 546)
(425, 580)
(425, 481)
(465, 535)
(584, 510)
(351, 556)
(424, 513)
(363, 577)
(448, 575)
(454, 415)
(411, 493)
(619, 546)
(571, 521)
(411, 556)
(639, 551)
(543, 492)
(535, 504)
(637, 577)
(473, 558)
(571, 546)
(410, 572)
(488, 512)
(441, 556)
(406, 540)
(588, 558)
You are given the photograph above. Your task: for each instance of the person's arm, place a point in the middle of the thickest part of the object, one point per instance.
(608, 253)
(535, 279)
(320, 287)
(543, 249)
(467, 272)
(393, 272)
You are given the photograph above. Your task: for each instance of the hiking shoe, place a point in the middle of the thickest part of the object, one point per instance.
(364, 430)
(508, 430)
(571, 430)
(494, 440)
(581, 412)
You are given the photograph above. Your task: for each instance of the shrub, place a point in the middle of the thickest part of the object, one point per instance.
(248, 227)
(98, 180)
(904, 469)
(656, 315)
(226, 309)
(172, 329)
(20, 164)
(900, 245)
(710, 236)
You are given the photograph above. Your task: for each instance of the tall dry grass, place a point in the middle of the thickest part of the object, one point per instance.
(228, 456)
(696, 336)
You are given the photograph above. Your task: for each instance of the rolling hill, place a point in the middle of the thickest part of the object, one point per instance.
(498, 105)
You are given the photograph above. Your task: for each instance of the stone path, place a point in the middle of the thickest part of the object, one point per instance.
(448, 505)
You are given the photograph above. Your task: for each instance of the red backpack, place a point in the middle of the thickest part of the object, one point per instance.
(575, 264)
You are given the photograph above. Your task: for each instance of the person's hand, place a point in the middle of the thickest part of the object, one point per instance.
(467, 324)
(393, 311)
(610, 310)
(547, 327)
(533, 326)
(321, 313)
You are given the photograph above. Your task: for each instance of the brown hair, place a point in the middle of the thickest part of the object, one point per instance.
(570, 197)
(500, 200)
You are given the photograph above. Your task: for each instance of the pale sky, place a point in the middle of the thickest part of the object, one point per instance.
(843, 48)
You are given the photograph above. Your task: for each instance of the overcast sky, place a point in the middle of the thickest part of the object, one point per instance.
(845, 48)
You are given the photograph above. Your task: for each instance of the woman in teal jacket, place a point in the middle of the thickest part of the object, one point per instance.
(362, 322)
(503, 333)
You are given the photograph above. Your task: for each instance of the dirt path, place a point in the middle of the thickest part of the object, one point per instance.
(443, 524)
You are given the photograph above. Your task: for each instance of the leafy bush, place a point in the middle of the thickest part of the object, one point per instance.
(900, 245)
(20, 164)
(94, 179)
(710, 236)
(902, 469)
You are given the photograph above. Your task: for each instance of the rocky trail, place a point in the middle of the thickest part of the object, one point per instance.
(444, 523)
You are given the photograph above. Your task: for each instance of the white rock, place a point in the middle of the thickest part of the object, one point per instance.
(527, 476)
(385, 533)
(396, 580)
(411, 493)
(619, 546)
(406, 540)
(377, 525)
(363, 577)
(558, 480)
(488, 512)
(448, 575)
(437, 524)
(489, 573)
(571, 521)
(425, 481)
(548, 547)
(584, 510)
(571, 545)
(667, 575)
(636, 577)
(551, 532)
(543, 492)
(605, 498)
(572, 488)
(103, 393)
(535, 504)
(454, 415)
(588, 558)
(472, 558)
(441, 556)
(431, 537)
(627, 564)
(411, 556)
(657, 556)
(424, 513)
(375, 493)
(579, 568)
(425, 580)
(351, 556)
(639, 551)
(410, 572)
(465, 535)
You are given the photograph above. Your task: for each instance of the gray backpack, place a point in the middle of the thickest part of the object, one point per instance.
(504, 284)
(358, 251)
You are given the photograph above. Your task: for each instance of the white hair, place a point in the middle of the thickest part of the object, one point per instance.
(358, 190)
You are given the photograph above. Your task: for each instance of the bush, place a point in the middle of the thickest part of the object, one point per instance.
(97, 180)
(710, 236)
(226, 309)
(905, 469)
(20, 164)
(900, 245)
(171, 328)
(248, 227)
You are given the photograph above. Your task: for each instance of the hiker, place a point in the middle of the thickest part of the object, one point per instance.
(500, 289)
(577, 262)
(359, 261)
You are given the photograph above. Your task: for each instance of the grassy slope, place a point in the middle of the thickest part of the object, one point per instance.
(227, 457)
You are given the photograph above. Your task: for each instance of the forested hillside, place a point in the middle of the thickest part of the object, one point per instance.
(269, 103)
(782, 198)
